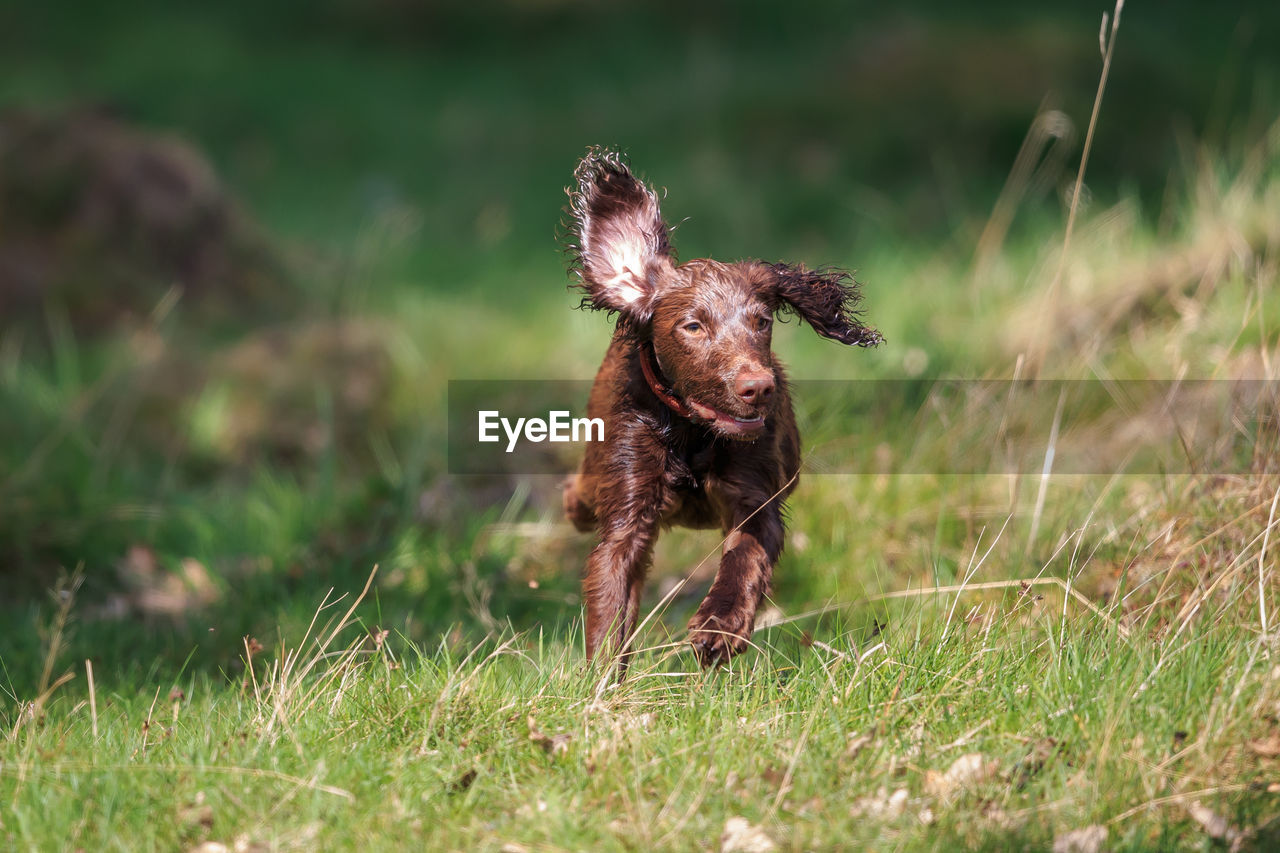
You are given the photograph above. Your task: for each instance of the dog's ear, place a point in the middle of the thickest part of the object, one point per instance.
(825, 299)
(619, 244)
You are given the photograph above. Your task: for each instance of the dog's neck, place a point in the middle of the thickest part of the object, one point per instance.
(658, 383)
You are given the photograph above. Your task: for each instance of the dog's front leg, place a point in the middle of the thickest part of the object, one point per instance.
(723, 624)
(629, 512)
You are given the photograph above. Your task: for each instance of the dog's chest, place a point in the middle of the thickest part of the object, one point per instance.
(689, 461)
(690, 468)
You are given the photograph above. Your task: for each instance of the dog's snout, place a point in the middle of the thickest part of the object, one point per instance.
(754, 386)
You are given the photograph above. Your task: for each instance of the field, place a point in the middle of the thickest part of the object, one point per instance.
(246, 603)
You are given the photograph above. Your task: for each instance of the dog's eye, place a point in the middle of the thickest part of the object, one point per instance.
(763, 323)
(693, 328)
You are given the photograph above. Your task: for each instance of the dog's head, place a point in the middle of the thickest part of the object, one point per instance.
(710, 324)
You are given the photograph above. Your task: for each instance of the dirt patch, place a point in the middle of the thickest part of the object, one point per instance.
(99, 219)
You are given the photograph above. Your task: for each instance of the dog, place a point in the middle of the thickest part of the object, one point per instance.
(699, 429)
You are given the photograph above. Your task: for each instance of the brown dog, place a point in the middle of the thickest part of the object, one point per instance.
(699, 429)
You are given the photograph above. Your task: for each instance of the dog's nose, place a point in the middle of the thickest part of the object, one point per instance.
(754, 386)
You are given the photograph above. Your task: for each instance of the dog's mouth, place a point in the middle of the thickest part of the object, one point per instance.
(726, 424)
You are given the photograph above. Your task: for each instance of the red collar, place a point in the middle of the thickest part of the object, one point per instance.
(658, 384)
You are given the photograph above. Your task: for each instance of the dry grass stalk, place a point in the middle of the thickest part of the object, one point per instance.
(1022, 583)
(285, 690)
(1045, 145)
(1262, 562)
(64, 595)
(1049, 312)
(93, 697)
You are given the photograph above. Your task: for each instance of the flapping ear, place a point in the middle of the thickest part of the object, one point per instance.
(825, 299)
(618, 241)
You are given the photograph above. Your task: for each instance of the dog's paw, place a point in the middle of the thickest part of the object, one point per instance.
(720, 629)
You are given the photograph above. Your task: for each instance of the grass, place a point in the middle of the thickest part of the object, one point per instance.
(515, 742)
(207, 670)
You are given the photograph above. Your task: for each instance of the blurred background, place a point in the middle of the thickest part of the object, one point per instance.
(245, 245)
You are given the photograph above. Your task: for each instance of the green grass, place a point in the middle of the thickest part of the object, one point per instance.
(516, 741)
